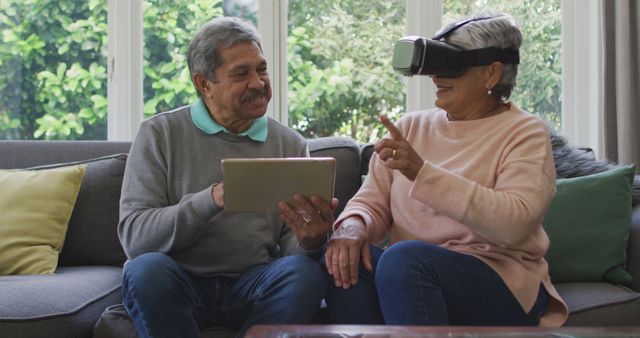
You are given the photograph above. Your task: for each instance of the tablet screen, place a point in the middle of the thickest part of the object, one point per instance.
(259, 184)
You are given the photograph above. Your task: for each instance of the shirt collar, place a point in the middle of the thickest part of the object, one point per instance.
(202, 120)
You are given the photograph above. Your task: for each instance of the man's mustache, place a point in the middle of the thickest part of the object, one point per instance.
(255, 93)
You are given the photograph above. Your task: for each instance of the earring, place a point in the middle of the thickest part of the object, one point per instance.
(489, 92)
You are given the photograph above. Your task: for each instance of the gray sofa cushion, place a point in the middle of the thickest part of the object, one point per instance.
(573, 161)
(24, 154)
(64, 304)
(92, 237)
(92, 234)
(346, 153)
(600, 304)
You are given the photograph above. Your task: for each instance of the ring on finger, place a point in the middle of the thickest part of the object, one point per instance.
(306, 218)
(393, 154)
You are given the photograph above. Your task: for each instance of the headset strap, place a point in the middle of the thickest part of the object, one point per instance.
(485, 56)
(456, 26)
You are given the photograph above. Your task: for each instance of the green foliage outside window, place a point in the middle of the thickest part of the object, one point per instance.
(340, 77)
(340, 74)
(53, 76)
(53, 69)
(53, 57)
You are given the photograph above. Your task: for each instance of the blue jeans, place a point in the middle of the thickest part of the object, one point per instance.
(164, 301)
(416, 283)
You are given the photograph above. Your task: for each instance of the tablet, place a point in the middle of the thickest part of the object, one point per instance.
(259, 184)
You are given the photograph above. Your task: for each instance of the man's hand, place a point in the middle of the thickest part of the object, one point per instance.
(397, 153)
(309, 218)
(217, 193)
(347, 245)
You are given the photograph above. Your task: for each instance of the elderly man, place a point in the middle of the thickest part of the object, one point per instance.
(191, 264)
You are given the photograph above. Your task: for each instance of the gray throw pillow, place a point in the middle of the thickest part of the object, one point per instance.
(572, 161)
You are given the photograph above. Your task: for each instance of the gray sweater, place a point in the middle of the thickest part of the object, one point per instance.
(166, 204)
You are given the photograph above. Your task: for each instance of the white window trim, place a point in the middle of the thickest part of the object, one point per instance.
(424, 18)
(124, 69)
(582, 73)
(581, 65)
(272, 24)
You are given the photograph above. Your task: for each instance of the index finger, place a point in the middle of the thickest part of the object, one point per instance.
(393, 131)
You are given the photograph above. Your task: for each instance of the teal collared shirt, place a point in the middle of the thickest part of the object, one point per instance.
(202, 120)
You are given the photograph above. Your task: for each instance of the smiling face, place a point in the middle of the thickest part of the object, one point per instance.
(457, 96)
(465, 97)
(242, 90)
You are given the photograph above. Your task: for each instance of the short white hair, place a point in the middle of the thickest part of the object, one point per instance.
(491, 30)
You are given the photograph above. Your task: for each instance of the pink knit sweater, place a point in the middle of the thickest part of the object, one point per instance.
(483, 190)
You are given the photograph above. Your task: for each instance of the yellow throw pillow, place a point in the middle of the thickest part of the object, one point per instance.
(35, 208)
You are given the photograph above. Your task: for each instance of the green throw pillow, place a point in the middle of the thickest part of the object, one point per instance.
(36, 206)
(588, 225)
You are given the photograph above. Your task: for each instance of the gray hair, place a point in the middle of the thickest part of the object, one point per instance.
(221, 32)
(493, 30)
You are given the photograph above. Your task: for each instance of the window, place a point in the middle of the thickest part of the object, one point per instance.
(56, 70)
(53, 69)
(340, 76)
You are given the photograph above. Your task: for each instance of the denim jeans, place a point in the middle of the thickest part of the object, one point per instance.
(416, 283)
(164, 301)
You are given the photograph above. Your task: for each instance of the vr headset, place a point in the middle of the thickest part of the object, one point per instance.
(415, 55)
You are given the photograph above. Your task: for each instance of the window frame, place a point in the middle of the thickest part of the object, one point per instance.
(582, 74)
(581, 65)
(124, 69)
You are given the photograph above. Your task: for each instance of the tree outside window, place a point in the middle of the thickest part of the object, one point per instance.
(340, 75)
(53, 69)
(53, 57)
(53, 75)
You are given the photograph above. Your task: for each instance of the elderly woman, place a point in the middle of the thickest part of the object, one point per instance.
(460, 192)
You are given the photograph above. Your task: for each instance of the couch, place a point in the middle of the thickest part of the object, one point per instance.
(71, 301)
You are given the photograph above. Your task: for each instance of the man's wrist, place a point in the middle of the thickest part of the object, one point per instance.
(318, 247)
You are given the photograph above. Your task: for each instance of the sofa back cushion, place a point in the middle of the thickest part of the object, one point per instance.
(346, 153)
(25, 154)
(92, 233)
(92, 237)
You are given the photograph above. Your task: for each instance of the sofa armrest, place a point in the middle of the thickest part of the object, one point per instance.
(633, 249)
